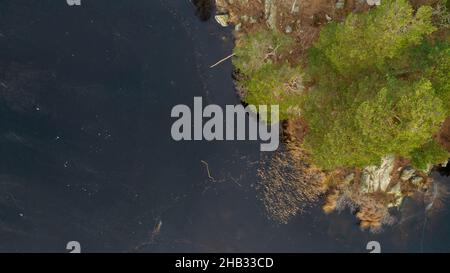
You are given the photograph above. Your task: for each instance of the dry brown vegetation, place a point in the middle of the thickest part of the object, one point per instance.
(370, 209)
(289, 184)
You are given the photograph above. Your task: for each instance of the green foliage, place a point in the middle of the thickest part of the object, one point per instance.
(276, 85)
(257, 49)
(399, 119)
(441, 14)
(365, 41)
(265, 81)
(439, 72)
(334, 137)
(430, 153)
(428, 60)
(380, 85)
(379, 88)
(356, 130)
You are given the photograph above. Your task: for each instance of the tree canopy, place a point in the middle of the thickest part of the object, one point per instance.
(380, 87)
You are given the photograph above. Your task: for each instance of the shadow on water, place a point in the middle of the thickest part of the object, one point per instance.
(204, 9)
(444, 171)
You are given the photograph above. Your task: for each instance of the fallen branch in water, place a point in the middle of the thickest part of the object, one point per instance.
(223, 60)
(207, 169)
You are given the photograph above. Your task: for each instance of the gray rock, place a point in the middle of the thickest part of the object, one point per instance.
(288, 29)
(222, 19)
(252, 20)
(340, 4)
(407, 173)
(270, 10)
(377, 178)
(396, 190)
(349, 178)
(373, 2)
(417, 180)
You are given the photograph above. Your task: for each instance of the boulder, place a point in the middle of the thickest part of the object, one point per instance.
(340, 4)
(396, 190)
(407, 173)
(373, 2)
(222, 19)
(417, 180)
(288, 29)
(377, 178)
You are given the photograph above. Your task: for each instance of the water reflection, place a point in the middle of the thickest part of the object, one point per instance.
(444, 171)
(204, 8)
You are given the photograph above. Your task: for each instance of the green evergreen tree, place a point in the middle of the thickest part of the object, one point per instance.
(379, 87)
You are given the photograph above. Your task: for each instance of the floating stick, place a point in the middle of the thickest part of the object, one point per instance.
(223, 60)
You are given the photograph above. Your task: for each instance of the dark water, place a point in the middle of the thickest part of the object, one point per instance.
(86, 152)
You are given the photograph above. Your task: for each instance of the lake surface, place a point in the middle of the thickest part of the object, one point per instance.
(86, 152)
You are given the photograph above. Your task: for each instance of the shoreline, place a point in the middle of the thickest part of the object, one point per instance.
(373, 190)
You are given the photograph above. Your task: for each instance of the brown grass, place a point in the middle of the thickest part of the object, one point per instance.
(289, 183)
